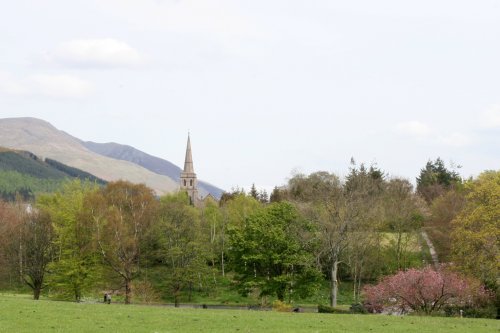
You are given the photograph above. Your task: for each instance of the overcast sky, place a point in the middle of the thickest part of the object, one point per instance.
(266, 88)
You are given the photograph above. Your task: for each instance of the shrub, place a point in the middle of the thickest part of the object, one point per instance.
(328, 309)
(144, 292)
(358, 308)
(281, 306)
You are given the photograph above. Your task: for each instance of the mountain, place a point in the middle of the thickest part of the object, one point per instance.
(46, 141)
(152, 163)
(23, 173)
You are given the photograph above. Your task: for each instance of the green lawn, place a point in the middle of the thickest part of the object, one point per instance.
(18, 313)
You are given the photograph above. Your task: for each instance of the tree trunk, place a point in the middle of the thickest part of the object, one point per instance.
(128, 291)
(333, 284)
(222, 261)
(36, 292)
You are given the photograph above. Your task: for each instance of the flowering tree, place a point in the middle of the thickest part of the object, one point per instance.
(424, 290)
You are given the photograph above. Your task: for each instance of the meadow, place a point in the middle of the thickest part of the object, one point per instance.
(19, 313)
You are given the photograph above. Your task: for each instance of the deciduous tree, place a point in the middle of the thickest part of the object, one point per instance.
(121, 213)
(424, 290)
(272, 252)
(76, 263)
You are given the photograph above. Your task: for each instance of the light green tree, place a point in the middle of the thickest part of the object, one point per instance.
(76, 266)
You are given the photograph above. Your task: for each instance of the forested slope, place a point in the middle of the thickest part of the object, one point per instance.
(24, 174)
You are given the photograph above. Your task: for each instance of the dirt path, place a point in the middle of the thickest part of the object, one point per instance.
(434, 255)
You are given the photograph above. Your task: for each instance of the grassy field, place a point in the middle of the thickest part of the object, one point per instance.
(18, 313)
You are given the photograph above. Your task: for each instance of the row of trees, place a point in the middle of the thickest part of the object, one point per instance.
(121, 236)
(120, 233)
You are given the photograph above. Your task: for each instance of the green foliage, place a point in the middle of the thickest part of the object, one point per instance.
(176, 244)
(13, 183)
(476, 234)
(272, 253)
(75, 269)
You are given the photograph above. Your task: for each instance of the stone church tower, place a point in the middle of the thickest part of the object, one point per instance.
(188, 177)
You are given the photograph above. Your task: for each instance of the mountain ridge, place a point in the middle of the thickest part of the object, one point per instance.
(46, 141)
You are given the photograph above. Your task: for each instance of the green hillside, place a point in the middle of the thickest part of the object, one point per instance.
(24, 174)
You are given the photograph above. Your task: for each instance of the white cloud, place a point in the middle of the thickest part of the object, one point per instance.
(106, 52)
(491, 117)
(54, 86)
(414, 128)
(455, 140)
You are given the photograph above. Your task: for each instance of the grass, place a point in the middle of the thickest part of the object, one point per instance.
(18, 313)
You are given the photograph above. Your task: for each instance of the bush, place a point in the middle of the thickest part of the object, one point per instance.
(144, 292)
(358, 308)
(470, 312)
(281, 306)
(328, 309)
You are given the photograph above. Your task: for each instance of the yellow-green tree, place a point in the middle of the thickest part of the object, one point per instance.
(476, 234)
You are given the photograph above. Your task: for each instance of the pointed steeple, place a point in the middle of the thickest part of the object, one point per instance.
(188, 162)
(188, 177)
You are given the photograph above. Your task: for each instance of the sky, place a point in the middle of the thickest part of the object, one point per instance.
(266, 88)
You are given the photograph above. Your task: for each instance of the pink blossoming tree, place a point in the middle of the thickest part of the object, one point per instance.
(424, 290)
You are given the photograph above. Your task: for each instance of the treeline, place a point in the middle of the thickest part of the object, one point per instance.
(317, 227)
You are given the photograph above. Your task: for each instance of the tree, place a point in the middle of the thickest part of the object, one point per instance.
(253, 192)
(177, 245)
(424, 290)
(276, 195)
(476, 230)
(339, 211)
(32, 247)
(121, 214)
(75, 268)
(10, 264)
(435, 179)
(212, 223)
(272, 252)
(234, 212)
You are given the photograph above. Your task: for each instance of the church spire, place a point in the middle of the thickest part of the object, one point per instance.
(188, 162)
(188, 177)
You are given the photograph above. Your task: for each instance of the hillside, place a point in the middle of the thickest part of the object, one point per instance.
(23, 173)
(152, 163)
(46, 141)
